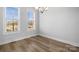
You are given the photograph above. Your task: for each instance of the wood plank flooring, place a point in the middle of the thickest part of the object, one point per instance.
(38, 44)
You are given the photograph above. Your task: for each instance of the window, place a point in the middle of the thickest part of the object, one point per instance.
(31, 20)
(11, 19)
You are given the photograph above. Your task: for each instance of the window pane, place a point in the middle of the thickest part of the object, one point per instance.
(11, 18)
(31, 20)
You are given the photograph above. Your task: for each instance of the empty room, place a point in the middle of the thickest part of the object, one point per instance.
(42, 29)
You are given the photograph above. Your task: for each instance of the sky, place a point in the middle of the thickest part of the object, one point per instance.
(11, 13)
(30, 15)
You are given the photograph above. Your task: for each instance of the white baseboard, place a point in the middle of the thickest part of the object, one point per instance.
(64, 41)
(17, 39)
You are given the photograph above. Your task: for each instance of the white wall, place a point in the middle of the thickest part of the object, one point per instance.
(1, 24)
(6, 38)
(61, 23)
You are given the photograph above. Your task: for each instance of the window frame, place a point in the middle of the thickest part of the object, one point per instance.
(5, 21)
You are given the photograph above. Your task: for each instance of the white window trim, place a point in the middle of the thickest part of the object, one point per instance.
(34, 22)
(4, 21)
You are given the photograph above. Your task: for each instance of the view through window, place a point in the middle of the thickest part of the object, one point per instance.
(31, 20)
(11, 19)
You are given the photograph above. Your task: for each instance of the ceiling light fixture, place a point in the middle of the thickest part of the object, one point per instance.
(41, 9)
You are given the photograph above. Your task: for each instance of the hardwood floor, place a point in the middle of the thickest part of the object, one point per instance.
(38, 44)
